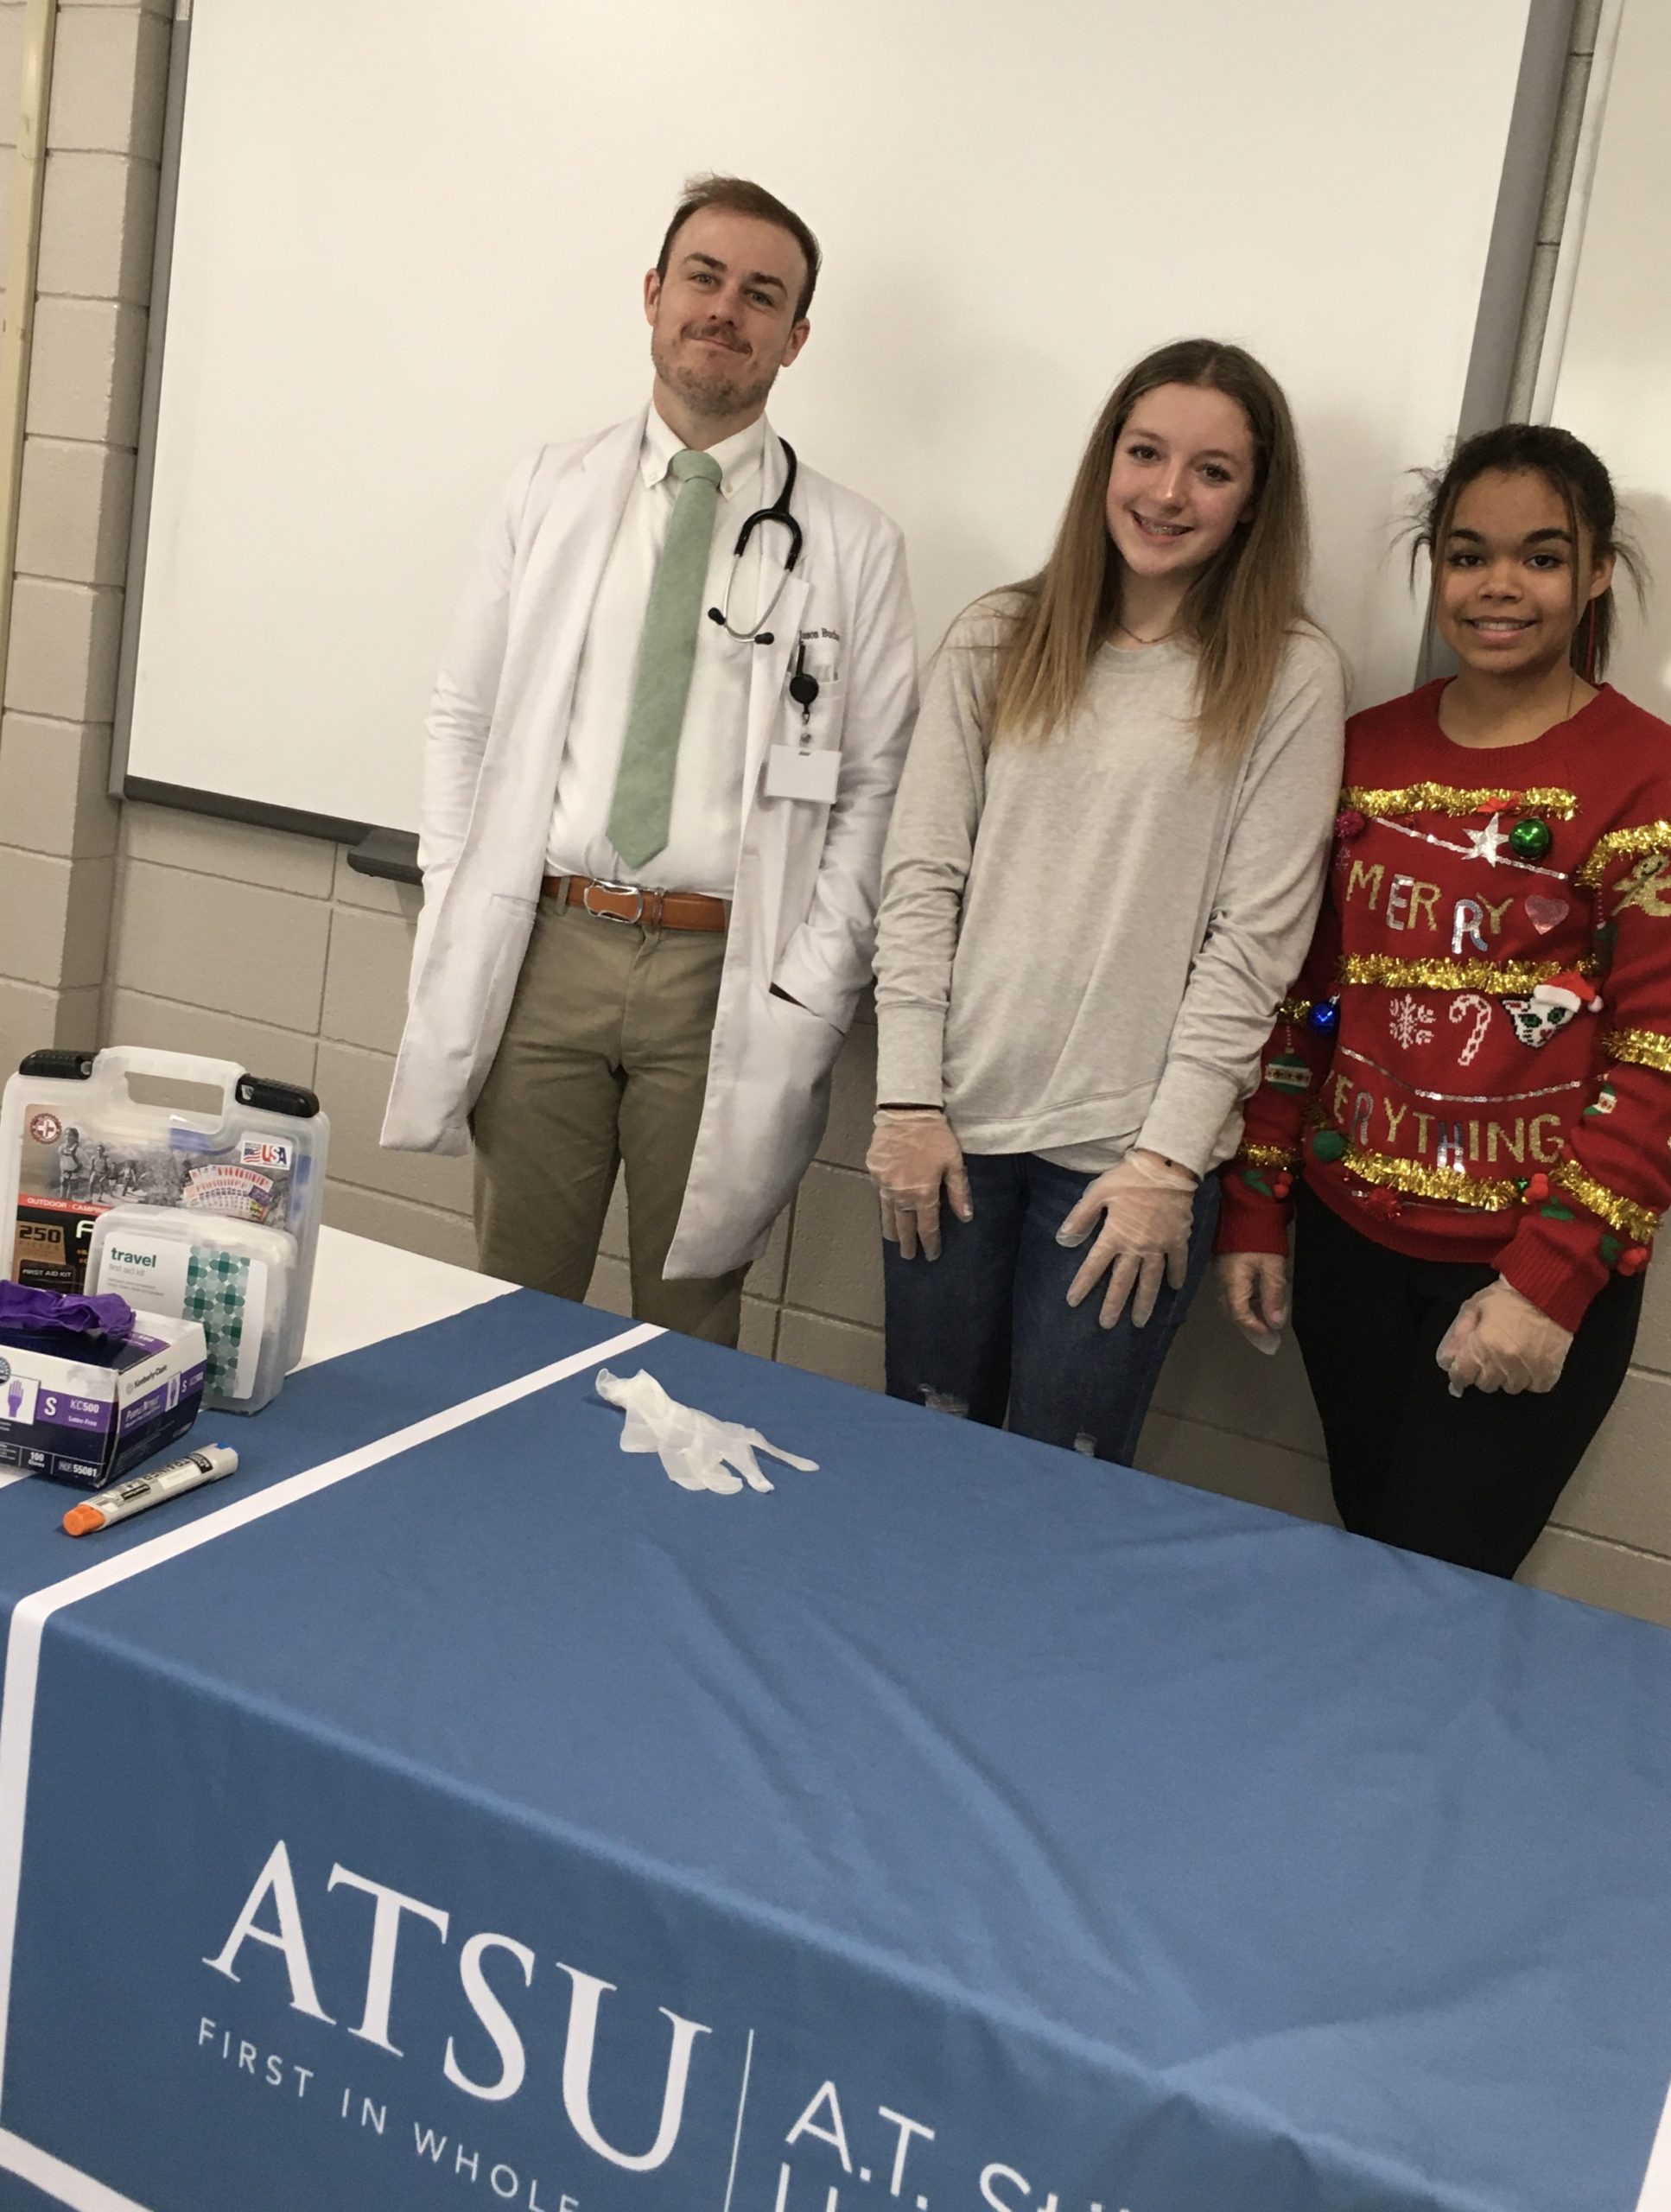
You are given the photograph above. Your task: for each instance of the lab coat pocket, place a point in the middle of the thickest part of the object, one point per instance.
(781, 1096)
(814, 694)
(785, 1005)
(820, 658)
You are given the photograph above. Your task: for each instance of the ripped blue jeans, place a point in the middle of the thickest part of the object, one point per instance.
(986, 1330)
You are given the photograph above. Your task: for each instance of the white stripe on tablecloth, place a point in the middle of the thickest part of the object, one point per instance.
(1657, 2182)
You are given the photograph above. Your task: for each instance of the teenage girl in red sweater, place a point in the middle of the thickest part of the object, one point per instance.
(1466, 1105)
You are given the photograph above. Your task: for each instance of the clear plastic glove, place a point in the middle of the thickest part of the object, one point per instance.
(1501, 1341)
(1254, 1288)
(698, 1450)
(911, 1155)
(1148, 1207)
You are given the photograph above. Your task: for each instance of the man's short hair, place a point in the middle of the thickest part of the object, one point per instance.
(742, 197)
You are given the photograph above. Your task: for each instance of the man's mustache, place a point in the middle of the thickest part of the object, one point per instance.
(719, 334)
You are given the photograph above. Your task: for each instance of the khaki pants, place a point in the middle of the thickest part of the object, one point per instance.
(603, 1063)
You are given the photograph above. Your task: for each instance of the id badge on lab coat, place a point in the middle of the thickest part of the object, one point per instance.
(803, 771)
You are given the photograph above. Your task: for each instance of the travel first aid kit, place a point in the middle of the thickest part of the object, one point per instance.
(206, 1213)
(236, 1279)
(89, 1388)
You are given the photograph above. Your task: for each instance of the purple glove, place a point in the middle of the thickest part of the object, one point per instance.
(24, 1312)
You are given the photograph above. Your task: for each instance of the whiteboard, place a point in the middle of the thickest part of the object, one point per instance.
(410, 239)
(1614, 387)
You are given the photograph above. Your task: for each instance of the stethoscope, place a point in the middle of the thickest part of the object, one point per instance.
(802, 688)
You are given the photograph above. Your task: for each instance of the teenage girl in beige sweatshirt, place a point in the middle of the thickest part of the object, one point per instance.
(1104, 869)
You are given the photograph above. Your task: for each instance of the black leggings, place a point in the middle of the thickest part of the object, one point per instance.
(1471, 1480)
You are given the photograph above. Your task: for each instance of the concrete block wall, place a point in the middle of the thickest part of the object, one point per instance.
(143, 925)
(58, 827)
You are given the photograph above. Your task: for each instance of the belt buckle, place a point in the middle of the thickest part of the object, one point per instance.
(629, 890)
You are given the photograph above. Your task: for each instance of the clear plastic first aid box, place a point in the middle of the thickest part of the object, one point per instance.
(77, 1138)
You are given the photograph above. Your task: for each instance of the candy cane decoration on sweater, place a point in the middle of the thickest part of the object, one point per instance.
(1460, 1008)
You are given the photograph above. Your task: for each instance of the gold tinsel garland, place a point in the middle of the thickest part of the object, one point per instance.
(1269, 1156)
(1648, 1048)
(1621, 844)
(1448, 799)
(1293, 1010)
(1491, 1193)
(1621, 1213)
(1436, 972)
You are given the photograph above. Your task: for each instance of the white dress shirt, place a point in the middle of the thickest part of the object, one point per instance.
(705, 830)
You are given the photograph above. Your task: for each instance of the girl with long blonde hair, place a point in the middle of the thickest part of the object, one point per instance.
(1104, 866)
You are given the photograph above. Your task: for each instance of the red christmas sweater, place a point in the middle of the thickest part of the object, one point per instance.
(1476, 1062)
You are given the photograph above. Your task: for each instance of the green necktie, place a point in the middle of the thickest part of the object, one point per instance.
(642, 803)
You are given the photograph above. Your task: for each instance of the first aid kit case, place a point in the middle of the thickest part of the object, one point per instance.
(79, 1135)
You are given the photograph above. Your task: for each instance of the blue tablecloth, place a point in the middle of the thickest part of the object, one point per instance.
(965, 1826)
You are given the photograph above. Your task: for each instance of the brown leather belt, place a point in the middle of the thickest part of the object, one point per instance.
(625, 902)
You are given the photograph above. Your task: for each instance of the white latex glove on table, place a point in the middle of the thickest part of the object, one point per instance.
(911, 1154)
(1254, 1288)
(698, 1450)
(1148, 1207)
(1501, 1341)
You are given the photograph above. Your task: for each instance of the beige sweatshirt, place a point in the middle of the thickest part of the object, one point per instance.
(1083, 943)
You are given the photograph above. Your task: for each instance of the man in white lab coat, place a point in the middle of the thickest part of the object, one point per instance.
(661, 759)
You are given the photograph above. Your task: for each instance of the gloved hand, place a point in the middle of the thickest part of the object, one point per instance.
(697, 1449)
(1254, 1288)
(911, 1155)
(1501, 1341)
(1148, 1207)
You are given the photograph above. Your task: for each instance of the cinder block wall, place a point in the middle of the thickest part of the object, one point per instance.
(57, 830)
(146, 926)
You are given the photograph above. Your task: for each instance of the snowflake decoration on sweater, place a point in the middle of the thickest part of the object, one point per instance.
(1408, 1020)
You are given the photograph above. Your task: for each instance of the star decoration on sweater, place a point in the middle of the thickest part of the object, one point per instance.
(1485, 844)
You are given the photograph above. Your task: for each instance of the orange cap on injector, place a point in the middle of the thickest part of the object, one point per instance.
(82, 1520)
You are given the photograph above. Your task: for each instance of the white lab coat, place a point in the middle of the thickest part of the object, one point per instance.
(809, 876)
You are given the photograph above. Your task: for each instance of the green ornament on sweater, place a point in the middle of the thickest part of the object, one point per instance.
(1288, 1071)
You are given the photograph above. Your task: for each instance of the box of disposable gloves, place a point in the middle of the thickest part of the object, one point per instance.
(89, 1388)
